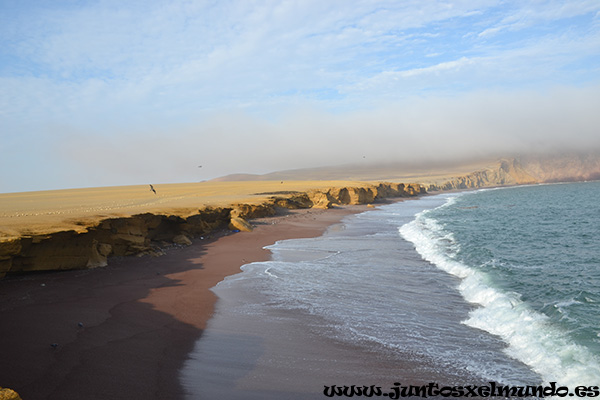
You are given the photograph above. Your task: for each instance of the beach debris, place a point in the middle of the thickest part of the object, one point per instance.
(152, 189)
(43, 284)
(80, 324)
(54, 345)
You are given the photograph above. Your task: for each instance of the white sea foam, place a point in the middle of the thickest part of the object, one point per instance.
(268, 272)
(530, 336)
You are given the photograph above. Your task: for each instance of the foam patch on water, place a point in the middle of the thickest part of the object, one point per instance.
(530, 336)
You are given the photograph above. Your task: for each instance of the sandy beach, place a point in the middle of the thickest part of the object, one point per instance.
(124, 331)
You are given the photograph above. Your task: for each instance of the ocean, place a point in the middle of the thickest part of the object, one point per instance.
(463, 288)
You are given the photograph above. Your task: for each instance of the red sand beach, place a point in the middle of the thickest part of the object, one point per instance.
(124, 331)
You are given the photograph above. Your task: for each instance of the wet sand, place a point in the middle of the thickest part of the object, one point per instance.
(124, 331)
(277, 356)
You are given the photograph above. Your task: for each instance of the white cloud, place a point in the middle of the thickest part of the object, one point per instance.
(491, 31)
(531, 13)
(437, 68)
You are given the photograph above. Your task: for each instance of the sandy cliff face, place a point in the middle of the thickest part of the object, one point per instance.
(139, 234)
(506, 172)
(147, 233)
(362, 195)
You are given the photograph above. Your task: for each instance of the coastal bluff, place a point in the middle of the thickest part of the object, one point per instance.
(78, 229)
(505, 172)
(83, 228)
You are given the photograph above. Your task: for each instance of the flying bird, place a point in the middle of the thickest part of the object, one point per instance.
(152, 188)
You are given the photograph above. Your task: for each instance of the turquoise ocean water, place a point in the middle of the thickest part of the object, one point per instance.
(529, 258)
(492, 285)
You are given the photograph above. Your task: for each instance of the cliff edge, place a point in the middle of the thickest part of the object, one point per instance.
(92, 244)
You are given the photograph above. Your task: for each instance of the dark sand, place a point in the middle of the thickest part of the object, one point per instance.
(140, 317)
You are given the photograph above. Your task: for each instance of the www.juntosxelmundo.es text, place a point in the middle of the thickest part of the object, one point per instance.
(433, 389)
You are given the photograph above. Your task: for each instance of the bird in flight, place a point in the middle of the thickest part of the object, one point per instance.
(152, 188)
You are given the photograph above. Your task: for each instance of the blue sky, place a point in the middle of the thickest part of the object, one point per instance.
(99, 93)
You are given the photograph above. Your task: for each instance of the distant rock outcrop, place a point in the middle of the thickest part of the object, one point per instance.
(563, 167)
(506, 172)
(362, 195)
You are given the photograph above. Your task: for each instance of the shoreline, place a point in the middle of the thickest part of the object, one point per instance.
(255, 350)
(125, 330)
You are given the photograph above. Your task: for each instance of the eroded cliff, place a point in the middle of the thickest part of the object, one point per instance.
(148, 233)
(506, 172)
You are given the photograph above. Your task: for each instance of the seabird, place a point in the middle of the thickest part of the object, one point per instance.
(152, 188)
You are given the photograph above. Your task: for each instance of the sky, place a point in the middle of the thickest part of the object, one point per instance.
(104, 93)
